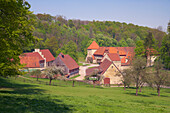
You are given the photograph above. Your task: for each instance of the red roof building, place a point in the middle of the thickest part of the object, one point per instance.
(114, 56)
(37, 59)
(32, 60)
(47, 54)
(107, 69)
(94, 45)
(70, 65)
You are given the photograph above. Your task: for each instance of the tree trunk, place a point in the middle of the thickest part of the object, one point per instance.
(158, 90)
(124, 86)
(37, 78)
(141, 89)
(136, 91)
(94, 84)
(73, 83)
(50, 81)
(128, 86)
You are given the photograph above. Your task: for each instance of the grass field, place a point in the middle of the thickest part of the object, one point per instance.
(17, 96)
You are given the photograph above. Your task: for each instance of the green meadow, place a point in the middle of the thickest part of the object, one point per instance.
(21, 96)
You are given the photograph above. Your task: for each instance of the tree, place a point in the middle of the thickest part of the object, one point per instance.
(139, 50)
(95, 76)
(50, 72)
(122, 43)
(159, 76)
(138, 72)
(71, 49)
(149, 44)
(130, 42)
(52, 44)
(126, 77)
(165, 49)
(37, 73)
(15, 34)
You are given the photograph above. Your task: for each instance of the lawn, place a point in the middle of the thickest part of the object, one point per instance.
(19, 96)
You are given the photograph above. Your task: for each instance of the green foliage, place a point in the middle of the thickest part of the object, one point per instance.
(15, 34)
(122, 43)
(36, 73)
(71, 49)
(52, 44)
(139, 50)
(111, 34)
(165, 49)
(130, 42)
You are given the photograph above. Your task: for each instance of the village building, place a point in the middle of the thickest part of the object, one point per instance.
(152, 54)
(46, 54)
(90, 52)
(121, 56)
(108, 70)
(113, 57)
(37, 59)
(71, 68)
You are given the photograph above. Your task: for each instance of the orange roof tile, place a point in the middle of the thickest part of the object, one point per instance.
(100, 51)
(123, 60)
(32, 60)
(68, 61)
(93, 45)
(112, 50)
(114, 56)
(47, 54)
(93, 57)
(105, 65)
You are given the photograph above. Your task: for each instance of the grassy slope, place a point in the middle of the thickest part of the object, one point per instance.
(17, 96)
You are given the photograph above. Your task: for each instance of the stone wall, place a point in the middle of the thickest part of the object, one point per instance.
(111, 73)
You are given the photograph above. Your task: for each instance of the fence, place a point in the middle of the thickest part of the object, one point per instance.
(55, 82)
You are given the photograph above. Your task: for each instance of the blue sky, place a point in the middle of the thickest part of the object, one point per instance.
(151, 13)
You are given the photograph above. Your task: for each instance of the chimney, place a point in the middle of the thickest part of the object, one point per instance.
(37, 50)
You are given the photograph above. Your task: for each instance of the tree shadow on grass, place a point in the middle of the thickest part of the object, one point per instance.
(139, 94)
(21, 98)
(14, 88)
(91, 86)
(16, 104)
(160, 95)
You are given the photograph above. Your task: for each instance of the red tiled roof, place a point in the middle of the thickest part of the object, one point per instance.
(69, 61)
(32, 60)
(91, 70)
(123, 60)
(94, 45)
(93, 57)
(47, 54)
(105, 65)
(100, 51)
(112, 50)
(114, 56)
(34, 54)
(121, 50)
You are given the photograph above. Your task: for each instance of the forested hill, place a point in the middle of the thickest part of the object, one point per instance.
(59, 34)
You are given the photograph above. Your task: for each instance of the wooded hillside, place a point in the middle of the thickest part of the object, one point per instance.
(55, 32)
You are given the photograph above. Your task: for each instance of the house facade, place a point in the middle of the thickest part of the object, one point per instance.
(37, 59)
(108, 70)
(71, 68)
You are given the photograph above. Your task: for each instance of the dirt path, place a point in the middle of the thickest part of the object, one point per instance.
(82, 71)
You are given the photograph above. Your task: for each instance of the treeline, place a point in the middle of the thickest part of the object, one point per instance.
(56, 32)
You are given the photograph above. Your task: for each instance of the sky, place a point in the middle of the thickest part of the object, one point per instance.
(150, 13)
